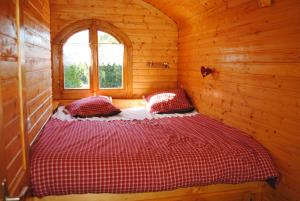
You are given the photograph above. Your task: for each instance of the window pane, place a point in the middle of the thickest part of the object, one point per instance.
(105, 38)
(77, 61)
(110, 59)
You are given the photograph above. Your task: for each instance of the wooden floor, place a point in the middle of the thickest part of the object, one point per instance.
(222, 192)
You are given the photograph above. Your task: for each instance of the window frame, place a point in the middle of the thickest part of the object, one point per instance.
(57, 61)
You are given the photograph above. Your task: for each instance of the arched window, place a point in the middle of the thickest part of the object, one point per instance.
(91, 57)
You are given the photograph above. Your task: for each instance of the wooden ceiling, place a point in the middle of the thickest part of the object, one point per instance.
(182, 10)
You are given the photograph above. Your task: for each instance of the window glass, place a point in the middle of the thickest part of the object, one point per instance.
(110, 61)
(77, 61)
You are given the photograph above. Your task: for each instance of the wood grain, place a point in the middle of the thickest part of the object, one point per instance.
(152, 34)
(25, 47)
(36, 65)
(57, 62)
(225, 192)
(254, 50)
(12, 166)
(256, 54)
(265, 3)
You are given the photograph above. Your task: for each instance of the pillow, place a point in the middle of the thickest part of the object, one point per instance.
(92, 106)
(170, 101)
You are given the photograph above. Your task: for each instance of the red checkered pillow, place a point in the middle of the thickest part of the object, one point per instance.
(170, 101)
(92, 106)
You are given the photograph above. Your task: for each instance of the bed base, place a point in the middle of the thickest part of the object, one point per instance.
(251, 191)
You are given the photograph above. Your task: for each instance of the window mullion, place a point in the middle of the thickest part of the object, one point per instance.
(94, 49)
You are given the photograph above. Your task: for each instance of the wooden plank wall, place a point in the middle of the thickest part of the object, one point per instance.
(37, 64)
(153, 35)
(12, 155)
(256, 52)
(24, 64)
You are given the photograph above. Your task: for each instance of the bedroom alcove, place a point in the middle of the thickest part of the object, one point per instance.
(253, 47)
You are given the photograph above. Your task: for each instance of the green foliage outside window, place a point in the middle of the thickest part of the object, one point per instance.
(110, 76)
(76, 76)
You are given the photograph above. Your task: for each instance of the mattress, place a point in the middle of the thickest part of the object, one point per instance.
(128, 156)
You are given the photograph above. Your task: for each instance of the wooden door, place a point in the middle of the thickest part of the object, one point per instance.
(12, 144)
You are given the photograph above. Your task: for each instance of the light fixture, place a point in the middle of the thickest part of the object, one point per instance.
(205, 71)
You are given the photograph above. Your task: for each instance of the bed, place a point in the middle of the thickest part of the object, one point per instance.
(145, 155)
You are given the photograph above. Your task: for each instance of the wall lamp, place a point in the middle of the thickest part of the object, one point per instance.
(205, 71)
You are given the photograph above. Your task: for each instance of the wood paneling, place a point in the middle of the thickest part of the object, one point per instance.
(256, 53)
(58, 68)
(37, 65)
(12, 166)
(24, 50)
(153, 36)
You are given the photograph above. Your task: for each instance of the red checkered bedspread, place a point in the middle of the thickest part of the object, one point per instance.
(143, 155)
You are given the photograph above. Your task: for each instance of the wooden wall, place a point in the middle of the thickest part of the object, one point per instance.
(153, 36)
(25, 83)
(37, 64)
(256, 53)
(13, 166)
